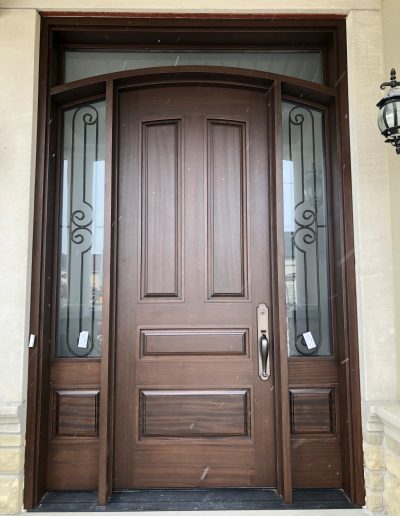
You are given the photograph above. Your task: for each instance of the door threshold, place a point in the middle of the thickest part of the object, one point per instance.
(237, 499)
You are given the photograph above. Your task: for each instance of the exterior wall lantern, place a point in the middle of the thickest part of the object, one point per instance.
(389, 112)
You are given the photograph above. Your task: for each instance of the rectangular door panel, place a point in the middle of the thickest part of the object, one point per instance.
(194, 342)
(196, 413)
(161, 209)
(227, 220)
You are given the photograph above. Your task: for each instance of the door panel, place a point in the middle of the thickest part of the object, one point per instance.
(227, 209)
(193, 265)
(161, 209)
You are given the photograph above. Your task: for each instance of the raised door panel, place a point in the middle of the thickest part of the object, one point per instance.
(199, 413)
(76, 413)
(226, 342)
(161, 209)
(227, 209)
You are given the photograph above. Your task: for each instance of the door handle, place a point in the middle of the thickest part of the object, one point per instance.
(263, 341)
(264, 344)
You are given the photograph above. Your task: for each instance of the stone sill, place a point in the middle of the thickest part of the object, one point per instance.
(386, 418)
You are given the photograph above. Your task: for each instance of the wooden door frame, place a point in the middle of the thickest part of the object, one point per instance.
(59, 31)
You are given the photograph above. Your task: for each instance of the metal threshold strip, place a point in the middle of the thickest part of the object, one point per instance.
(193, 500)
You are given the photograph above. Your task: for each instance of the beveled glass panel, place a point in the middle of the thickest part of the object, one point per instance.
(303, 65)
(81, 230)
(306, 231)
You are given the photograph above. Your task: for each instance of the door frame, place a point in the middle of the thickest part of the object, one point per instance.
(56, 32)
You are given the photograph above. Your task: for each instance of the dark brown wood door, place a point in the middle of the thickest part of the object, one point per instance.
(193, 259)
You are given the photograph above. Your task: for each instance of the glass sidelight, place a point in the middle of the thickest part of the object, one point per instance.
(306, 231)
(81, 232)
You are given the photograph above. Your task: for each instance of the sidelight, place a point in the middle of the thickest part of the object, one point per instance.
(305, 231)
(81, 232)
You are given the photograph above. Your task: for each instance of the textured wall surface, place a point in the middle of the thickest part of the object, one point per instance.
(18, 99)
(391, 42)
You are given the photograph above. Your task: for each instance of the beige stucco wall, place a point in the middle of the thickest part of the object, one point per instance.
(375, 185)
(382, 424)
(18, 99)
(391, 42)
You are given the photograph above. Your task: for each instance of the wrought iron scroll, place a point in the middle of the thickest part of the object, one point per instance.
(305, 237)
(81, 222)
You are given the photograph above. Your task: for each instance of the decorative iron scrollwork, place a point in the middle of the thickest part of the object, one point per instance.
(80, 262)
(305, 235)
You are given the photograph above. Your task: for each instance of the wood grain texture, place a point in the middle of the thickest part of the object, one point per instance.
(72, 373)
(76, 413)
(283, 449)
(227, 209)
(74, 424)
(316, 462)
(197, 413)
(72, 467)
(194, 342)
(106, 404)
(161, 209)
(313, 411)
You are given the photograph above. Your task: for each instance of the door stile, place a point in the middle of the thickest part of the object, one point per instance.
(284, 475)
(106, 409)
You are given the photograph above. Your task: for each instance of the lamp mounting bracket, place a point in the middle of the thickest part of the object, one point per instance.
(392, 83)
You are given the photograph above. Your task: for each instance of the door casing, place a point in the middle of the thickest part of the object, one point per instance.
(59, 31)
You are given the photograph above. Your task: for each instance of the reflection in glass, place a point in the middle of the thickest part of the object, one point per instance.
(80, 280)
(303, 65)
(305, 231)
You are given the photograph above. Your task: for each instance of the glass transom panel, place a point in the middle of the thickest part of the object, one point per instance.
(302, 65)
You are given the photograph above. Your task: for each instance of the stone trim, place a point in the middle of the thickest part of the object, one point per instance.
(12, 444)
(12, 418)
(382, 458)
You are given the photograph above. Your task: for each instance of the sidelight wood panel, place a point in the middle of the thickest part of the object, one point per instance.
(76, 413)
(161, 209)
(227, 206)
(317, 462)
(313, 411)
(221, 413)
(194, 342)
(73, 446)
(81, 461)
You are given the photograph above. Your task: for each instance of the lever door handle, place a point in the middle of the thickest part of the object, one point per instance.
(263, 342)
(264, 345)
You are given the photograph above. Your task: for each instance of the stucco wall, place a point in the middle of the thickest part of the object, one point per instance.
(18, 99)
(373, 182)
(391, 42)
(382, 425)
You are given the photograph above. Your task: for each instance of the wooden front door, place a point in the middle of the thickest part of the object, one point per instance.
(193, 264)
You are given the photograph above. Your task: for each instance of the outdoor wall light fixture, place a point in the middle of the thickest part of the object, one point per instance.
(389, 112)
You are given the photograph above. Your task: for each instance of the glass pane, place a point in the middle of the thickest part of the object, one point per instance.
(306, 232)
(303, 65)
(80, 280)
